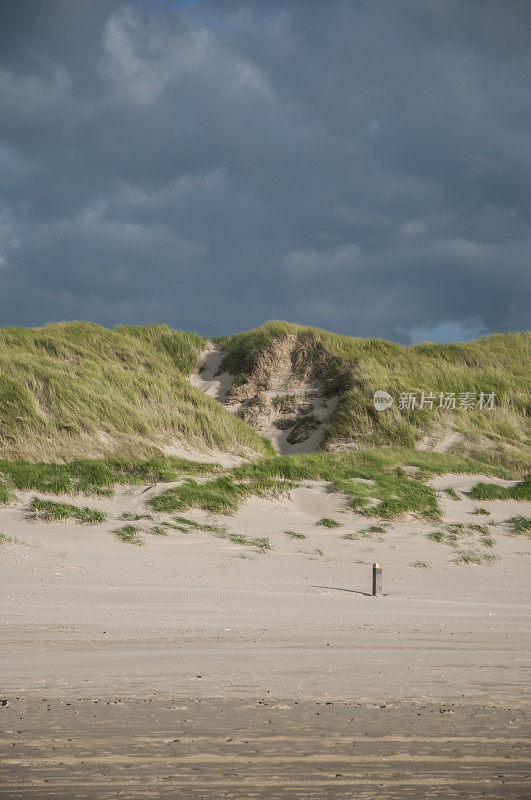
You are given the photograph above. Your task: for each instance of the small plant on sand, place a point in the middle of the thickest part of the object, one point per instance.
(319, 552)
(128, 534)
(479, 511)
(239, 380)
(436, 536)
(479, 528)
(329, 523)
(157, 530)
(198, 526)
(452, 493)
(519, 524)
(49, 511)
(350, 536)
(174, 527)
(474, 557)
(454, 533)
(419, 564)
(488, 541)
(376, 529)
(295, 535)
(259, 543)
(134, 517)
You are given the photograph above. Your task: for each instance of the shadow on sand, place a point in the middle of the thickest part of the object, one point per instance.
(341, 589)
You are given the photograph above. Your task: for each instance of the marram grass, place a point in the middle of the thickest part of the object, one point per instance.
(50, 511)
(219, 496)
(491, 491)
(5, 495)
(73, 389)
(129, 534)
(375, 482)
(354, 368)
(97, 476)
(520, 524)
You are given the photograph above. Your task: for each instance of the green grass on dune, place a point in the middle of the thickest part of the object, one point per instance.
(222, 495)
(182, 347)
(5, 495)
(355, 368)
(130, 534)
(385, 482)
(50, 511)
(75, 397)
(69, 390)
(491, 491)
(97, 476)
(198, 526)
(520, 524)
(326, 466)
(390, 497)
(376, 482)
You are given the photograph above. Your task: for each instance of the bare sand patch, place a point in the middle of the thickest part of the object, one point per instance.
(208, 378)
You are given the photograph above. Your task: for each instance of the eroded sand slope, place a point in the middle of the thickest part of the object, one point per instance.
(291, 409)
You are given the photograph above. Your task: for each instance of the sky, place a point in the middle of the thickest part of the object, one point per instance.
(358, 165)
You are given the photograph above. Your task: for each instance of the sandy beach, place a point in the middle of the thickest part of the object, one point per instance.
(168, 747)
(190, 617)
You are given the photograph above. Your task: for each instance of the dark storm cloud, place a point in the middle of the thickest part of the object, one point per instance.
(359, 165)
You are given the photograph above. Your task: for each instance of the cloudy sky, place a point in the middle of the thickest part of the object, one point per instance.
(360, 165)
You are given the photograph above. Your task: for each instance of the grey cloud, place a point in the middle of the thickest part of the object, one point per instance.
(363, 166)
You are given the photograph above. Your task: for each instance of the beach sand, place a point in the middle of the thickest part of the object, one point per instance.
(264, 641)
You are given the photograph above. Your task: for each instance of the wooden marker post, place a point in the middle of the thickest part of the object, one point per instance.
(376, 580)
